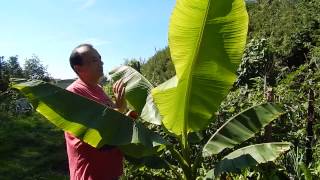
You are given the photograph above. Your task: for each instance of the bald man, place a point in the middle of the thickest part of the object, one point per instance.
(86, 162)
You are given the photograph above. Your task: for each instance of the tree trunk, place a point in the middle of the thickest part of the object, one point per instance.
(268, 128)
(310, 121)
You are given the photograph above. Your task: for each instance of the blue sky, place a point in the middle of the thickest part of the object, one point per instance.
(119, 29)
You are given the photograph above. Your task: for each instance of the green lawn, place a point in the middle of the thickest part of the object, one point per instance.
(31, 148)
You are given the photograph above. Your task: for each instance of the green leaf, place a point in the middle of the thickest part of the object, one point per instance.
(150, 112)
(206, 40)
(210, 175)
(306, 171)
(153, 162)
(195, 137)
(251, 156)
(241, 127)
(137, 86)
(138, 90)
(90, 121)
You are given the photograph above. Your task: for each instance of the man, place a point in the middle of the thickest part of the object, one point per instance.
(86, 162)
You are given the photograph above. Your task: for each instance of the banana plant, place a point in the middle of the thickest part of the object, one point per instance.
(206, 40)
(233, 132)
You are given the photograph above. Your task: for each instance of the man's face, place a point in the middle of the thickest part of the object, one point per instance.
(92, 66)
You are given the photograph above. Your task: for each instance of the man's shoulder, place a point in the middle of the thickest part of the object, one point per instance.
(75, 86)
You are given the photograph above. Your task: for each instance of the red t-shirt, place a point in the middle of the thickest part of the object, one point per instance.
(85, 161)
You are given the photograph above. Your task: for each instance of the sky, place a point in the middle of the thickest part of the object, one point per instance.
(50, 29)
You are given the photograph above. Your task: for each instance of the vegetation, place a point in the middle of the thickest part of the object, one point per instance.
(31, 148)
(280, 64)
(282, 55)
(32, 69)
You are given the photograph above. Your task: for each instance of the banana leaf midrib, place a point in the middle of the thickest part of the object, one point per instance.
(195, 57)
(262, 144)
(145, 79)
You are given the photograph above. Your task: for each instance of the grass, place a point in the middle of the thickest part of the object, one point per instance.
(31, 148)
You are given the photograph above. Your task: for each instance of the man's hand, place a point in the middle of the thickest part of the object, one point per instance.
(119, 92)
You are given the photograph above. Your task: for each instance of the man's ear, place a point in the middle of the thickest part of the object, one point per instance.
(77, 68)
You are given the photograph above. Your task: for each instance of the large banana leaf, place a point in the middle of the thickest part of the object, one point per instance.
(241, 127)
(90, 121)
(150, 112)
(137, 86)
(250, 156)
(138, 93)
(206, 40)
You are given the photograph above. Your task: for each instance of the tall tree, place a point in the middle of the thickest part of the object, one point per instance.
(1, 66)
(3, 75)
(134, 63)
(291, 28)
(33, 69)
(159, 67)
(14, 67)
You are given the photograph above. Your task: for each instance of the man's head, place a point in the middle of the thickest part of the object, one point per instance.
(86, 62)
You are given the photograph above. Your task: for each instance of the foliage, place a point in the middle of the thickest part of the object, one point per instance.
(159, 67)
(4, 70)
(14, 68)
(256, 62)
(33, 69)
(291, 30)
(291, 27)
(284, 47)
(241, 127)
(4, 74)
(135, 64)
(137, 86)
(206, 47)
(181, 113)
(137, 172)
(249, 156)
(31, 148)
(12, 102)
(96, 124)
(246, 123)
(4, 84)
(291, 93)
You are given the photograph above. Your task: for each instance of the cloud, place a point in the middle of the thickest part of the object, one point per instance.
(87, 3)
(95, 41)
